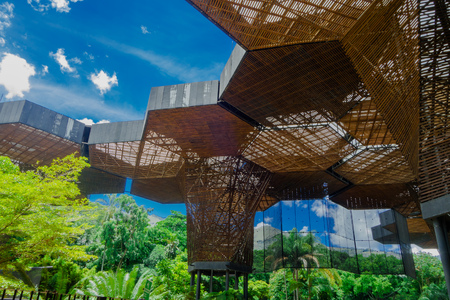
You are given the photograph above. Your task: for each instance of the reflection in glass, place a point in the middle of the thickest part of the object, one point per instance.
(322, 234)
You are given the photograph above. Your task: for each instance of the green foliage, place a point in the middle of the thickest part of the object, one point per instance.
(173, 278)
(428, 270)
(122, 240)
(13, 284)
(258, 290)
(279, 286)
(171, 233)
(158, 254)
(231, 294)
(62, 276)
(39, 210)
(115, 284)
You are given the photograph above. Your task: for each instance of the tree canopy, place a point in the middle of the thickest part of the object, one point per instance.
(39, 209)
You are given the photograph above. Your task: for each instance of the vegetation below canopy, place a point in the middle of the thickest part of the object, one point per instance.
(109, 248)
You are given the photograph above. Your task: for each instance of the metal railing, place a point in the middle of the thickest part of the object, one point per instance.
(10, 294)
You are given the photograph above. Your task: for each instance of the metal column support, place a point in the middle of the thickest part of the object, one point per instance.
(192, 279)
(245, 286)
(236, 281)
(197, 291)
(227, 280)
(211, 278)
(440, 228)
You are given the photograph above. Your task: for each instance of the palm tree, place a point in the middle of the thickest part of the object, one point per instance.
(296, 251)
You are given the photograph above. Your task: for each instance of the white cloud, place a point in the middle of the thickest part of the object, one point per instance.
(103, 82)
(89, 56)
(73, 100)
(6, 14)
(288, 203)
(15, 73)
(76, 60)
(259, 225)
(144, 29)
(168, 65)
(319, 208)
(304, 231)
(61, 59)
(2, 42)
(268, 220)
(59, 5)
(91, 122)
(416, 249)
(44, 69)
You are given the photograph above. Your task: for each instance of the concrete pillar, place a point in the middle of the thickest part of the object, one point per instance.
(440, 229)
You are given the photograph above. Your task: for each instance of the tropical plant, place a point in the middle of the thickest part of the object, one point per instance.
(118, 284)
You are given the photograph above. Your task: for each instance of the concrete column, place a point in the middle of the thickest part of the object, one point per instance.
(440, 229)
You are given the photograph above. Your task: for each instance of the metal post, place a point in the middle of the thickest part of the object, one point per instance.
(211, 278)
(236, 281)
(197, 292)
(443, 246)
(192, 278)
(227, 280)
(245, 286)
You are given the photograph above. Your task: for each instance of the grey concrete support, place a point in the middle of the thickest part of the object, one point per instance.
(197, 291)
(440, 229)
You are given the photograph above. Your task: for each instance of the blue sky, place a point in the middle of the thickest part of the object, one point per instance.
(99, 59)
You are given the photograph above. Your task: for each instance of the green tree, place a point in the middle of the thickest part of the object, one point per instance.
(122, 240)
(39, 209)
(173, 279)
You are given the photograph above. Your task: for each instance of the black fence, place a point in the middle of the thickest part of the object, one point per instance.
(9, 294)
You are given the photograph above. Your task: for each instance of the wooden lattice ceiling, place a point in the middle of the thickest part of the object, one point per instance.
(29, 145)
(257, 24)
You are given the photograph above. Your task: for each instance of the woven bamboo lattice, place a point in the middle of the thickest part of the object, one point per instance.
(222, 195)
(200, 131)
(379, 196)
(304, 185)
(138, 159)
(383, 47)
(257, 24)
(434, 154)
(30, 145)
(295, 84)
(365, 123)
(312, 148)
(377, 166)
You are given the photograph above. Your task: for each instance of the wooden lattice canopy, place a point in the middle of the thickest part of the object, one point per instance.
(329, 97)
